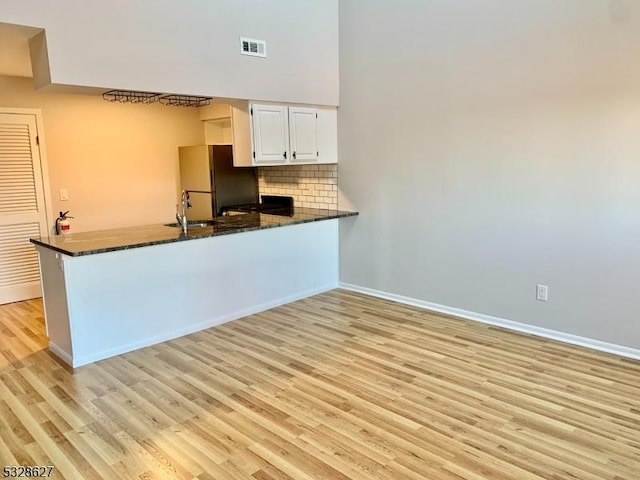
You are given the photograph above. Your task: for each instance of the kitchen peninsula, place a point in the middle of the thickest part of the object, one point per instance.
(114, 291)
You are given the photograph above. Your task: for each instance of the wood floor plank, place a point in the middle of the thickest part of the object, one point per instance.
(337, 386)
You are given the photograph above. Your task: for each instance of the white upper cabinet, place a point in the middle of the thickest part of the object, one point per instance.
(276, 134)
(286, 135)
(229, 124)
(303, 134)
(270, 134)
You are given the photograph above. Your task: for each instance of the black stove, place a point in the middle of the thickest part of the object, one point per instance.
(271, 204)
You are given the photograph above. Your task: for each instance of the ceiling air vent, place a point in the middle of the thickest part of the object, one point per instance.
(255, 48)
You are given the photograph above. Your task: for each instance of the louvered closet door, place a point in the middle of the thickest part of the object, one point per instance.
(22, 212)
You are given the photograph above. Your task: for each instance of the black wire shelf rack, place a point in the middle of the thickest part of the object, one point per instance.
(130, 96)
(185, 101)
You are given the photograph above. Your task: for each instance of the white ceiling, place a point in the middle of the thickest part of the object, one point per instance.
(14, 49)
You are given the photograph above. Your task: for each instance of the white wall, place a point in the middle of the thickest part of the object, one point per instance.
(119, 162)
(492, 145)
(190, 47)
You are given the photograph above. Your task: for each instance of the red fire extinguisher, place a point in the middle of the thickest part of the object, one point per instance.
(63, 226)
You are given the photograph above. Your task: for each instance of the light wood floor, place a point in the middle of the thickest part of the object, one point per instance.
(338, 386)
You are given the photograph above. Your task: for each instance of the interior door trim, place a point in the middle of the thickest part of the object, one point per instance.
(42, 150)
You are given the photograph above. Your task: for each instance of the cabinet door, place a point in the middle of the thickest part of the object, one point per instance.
(270, 134)
(328, 135)
(303, 131)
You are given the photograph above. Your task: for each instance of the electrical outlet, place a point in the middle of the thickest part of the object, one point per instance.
(64, 194)
(542, 292)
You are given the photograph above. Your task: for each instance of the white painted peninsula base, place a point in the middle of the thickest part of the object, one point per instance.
(105, 304)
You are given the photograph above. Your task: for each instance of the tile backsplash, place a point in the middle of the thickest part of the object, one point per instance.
(313, 186)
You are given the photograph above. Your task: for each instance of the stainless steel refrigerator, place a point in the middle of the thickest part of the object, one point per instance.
(208, 174)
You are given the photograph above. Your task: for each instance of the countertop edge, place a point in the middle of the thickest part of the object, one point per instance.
(337, 214)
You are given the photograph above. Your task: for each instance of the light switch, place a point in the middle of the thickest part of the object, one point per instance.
(64, 194)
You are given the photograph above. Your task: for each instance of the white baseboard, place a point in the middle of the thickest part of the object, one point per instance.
(61, 353)
(500, 322)
(94, 357)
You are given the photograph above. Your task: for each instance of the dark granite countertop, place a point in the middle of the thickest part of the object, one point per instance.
(89, 243)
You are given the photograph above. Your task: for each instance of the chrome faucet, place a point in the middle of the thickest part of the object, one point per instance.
(181, 210)
(185, 203)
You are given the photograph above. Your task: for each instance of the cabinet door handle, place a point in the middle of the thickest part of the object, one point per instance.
(285, 155)
(294, 155)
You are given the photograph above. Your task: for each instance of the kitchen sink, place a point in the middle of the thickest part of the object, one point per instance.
(195, 224)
